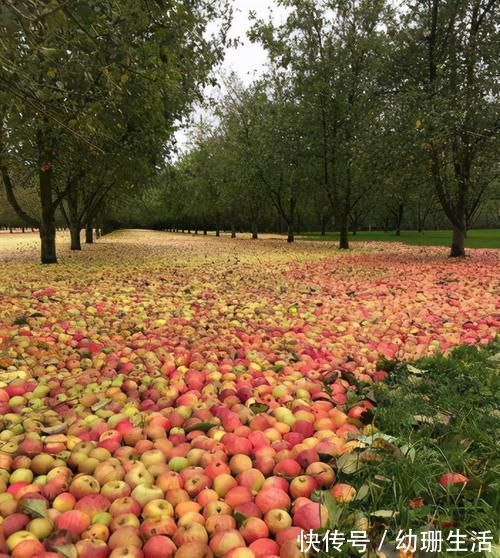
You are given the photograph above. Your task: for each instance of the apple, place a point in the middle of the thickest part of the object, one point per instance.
(311, 516)
(109, 470)
(269, 498)
(92, 549)
(223, 483)
(322, 473)
(125, 505)
(195, 484)
(64, 502)
(253, 529)
(184, 508)
(343, 492)
(194, 549)
(92, 504)
(176, 496)
(189, 533)
(277, 520)
(113, 490)
(224, 541)
(162, 525)
(14, 523)
(221, 522)
(179, 463)
(238, 495)
(27, 549)
(144, 493)
(125, 537)
(159, 546)
(96, 531)
(239, 463)
(191, 517)
(262, 548)
(158, 508)
(302, 485)
(19, 536)
(124, 520)
(138, 476)
(73, 521)
(84, 485)
(216, 508)
(450, 479)
(252, 479)
(126, 552)
(40, 527)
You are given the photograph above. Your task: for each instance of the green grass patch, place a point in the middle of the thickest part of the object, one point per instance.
(434, 416)
(476, 238)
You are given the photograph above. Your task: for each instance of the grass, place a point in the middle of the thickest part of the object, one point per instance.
(476, 238)
(434, 416)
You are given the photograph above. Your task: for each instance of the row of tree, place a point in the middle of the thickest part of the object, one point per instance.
(91, 93)
(368, 114)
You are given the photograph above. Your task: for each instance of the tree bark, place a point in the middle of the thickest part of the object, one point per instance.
(205, 232)
(233, 231)
(458, 243)
(344, 236)
(290, 237)
(47, 226)
(89, 232)
(74, 232)
(255, 233)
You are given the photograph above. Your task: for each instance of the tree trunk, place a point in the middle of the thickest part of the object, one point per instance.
(255, 234)
(323, 225)
(74, 232)
(290, 237)
(344, 236)
(458, 243)
(47, 225)
(89, 232)
(205, 232)
(217, 231)
(10, 229)
(399, 219)
(233, 231)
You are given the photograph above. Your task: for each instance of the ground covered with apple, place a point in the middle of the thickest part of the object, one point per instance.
(181, 396)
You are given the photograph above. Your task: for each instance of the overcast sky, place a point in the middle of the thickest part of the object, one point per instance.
(247, 60)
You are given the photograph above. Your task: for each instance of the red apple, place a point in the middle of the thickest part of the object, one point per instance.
(159, 547)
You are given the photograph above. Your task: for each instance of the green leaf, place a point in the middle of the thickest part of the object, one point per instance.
(349, 463)
(240, 519)
(204, 426)
(100, 405)
(35, 507)
(363, 492)
(67, 550)
(259, 408)
(385, 514)
(334, 510)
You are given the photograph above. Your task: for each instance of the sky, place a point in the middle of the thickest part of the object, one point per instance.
(247, 60)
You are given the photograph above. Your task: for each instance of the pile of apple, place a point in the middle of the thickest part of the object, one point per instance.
(189, 459)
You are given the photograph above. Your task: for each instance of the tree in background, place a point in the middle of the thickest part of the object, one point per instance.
(110, 78)
(446, 61)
